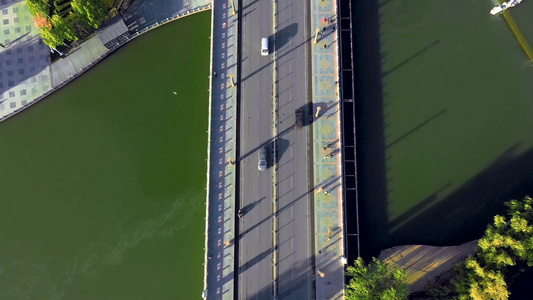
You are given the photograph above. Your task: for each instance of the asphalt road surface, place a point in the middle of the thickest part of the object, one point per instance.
(295, 228)
(255, 227)
(295, 221)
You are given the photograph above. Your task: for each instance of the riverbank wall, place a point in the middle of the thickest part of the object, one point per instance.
(84, 56)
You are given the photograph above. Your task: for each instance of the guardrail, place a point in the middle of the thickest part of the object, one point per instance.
(209, 125)
(348, 139)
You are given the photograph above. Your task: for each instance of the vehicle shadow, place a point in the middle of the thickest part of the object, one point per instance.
(284, 35)
(283, 146)
(265, 144)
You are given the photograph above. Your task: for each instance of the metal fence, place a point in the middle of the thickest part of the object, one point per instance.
(348, 140)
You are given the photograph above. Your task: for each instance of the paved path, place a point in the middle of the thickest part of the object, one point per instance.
(329, 239)
(24, 61)
(145, 13)
(221, 182)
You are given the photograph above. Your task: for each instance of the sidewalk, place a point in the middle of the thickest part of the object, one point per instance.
(24, 59)
(329, 238)
(220, 226)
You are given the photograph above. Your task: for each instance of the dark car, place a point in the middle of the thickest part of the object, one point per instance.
(299, 116)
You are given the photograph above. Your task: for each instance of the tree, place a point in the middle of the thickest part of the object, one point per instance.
(42, 21)
(480, 283)
(60, 31)
(375, 281)
(50, 37)
(63, 28)
(90, 12)
(36, 7)
(507, 242)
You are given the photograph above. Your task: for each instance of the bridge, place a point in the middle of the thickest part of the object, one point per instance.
(292, 240)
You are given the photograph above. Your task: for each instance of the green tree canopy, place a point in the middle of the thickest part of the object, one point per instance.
(50, 37)
(38, 7)
(63, 28)
(60, 32)
(480, 283)
(507, 242)
(375, 281)
(91, 12)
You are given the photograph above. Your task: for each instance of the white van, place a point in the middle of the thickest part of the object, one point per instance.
(264, 46)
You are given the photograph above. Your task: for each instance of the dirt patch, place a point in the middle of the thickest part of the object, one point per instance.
(426, 263)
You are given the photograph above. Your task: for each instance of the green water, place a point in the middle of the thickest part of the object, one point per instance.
(446, 105)
(103, 183)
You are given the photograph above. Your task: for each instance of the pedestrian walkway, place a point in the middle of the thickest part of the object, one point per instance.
(24, 59)
(329, 239)
(220, 227)
(142, 14)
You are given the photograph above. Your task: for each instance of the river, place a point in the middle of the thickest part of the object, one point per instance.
(444, 116)
(103, 182)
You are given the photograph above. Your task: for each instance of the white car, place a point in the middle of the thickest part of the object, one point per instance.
(264, 46)
(262, 161)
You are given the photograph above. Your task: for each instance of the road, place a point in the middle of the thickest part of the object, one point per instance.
(295, 268)
(255, 250)
(295, 224)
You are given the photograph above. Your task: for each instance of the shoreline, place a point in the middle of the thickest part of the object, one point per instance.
(102, 56)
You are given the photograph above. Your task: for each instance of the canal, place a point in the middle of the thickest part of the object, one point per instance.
(444, 117)
(103, 183)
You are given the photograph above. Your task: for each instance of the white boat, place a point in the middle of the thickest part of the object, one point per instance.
(498, 9)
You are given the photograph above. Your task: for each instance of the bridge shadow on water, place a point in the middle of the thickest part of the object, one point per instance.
(370, 152)
(445, 216)
(464, 214)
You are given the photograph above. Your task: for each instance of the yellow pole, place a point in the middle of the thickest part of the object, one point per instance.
(232, 81)
(317, 111)
(316, 35)
(233, 6)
